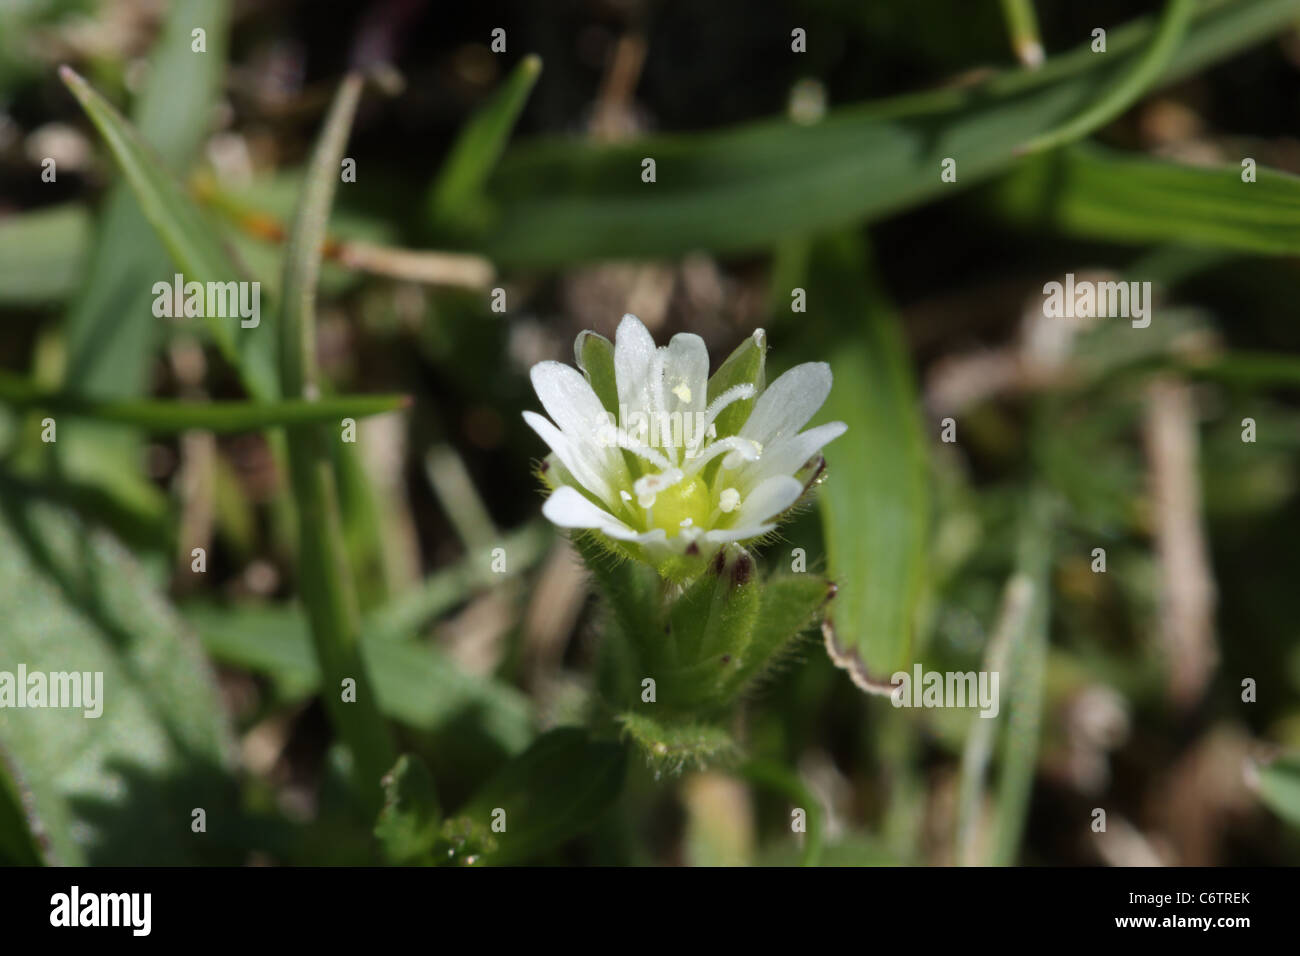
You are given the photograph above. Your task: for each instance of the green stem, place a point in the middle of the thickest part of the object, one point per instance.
(1169, 34)
(328, 590)
(1022, 25)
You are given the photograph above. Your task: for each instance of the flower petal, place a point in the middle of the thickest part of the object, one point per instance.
(569, 399)
(567, 508)
(788, 403)
(785, 456)
(581, 460)
(726, 535)
(634, 349)
(686, 374)
(771, 497)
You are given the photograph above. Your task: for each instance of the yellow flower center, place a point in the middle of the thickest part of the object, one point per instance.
(686, 500)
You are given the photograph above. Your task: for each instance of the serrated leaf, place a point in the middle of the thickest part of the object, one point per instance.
(552, 792)
(119, 788)
(411, 818)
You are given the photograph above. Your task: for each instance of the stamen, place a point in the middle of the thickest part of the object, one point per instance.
(729, 500)
(737, 393)
(746, 449)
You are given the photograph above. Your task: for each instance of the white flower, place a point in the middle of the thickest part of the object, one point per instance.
(657, 475)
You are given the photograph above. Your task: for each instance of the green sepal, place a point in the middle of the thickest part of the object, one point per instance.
(595, 356)
(745, 365)
(673, 746)
(790, 604)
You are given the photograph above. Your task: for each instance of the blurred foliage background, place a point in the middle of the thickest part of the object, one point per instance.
(776, 170)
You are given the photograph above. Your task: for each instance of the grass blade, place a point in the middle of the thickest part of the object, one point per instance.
(1096, 192)
(328, 590)
(187, 236)
(1173, 24)
(169, 417)
(748, 187)
(459, 184)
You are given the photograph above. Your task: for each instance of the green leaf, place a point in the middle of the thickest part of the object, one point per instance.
(457, 192)
(746, 188)
(875, 501)
(417, 685)
(671, 746)
(554, 791)
(43, 254)
(1091, 191)
(169, 417)
(190, 240)
(1279, 787)
(441, 591)
(116, 789)
(409, 823)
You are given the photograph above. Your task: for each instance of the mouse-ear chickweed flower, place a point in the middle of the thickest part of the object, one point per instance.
(666, 463)
(656, 461)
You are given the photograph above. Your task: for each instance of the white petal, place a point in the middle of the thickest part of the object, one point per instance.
(738, 534)
(582, 461)
(567, 508)
(569, 399)
(634, 349)
(771, 497)
(788, 403)
(787, 455)
(686, 376)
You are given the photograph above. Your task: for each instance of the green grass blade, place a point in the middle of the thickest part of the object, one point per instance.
(748, 187)
(1173, 25)
(189, 239)
(459, 184)
(169, 417)
(325, 576)
(1096, 192)
(1021, 688)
